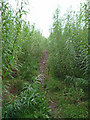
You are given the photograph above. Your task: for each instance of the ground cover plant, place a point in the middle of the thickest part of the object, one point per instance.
(30, 103)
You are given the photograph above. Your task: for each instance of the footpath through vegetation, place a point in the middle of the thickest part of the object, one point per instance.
(64, 99)
(44, 77)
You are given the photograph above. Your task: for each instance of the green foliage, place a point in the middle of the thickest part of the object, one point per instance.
(75, 104)
(14, 86)
(77, 82)
(11, 26)
(68, 44)
(73, 111)
(29, 104)
(72, 101)
(53, 85)
(68, 60)
(21, 49)
(31, 51)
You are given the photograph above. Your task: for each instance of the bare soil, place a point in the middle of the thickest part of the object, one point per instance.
(44, 72)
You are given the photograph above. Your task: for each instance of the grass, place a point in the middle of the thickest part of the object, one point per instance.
(14, 85)
(30, 103)
(71, 102)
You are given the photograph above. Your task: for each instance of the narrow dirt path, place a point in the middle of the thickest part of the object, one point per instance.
(44, 74)
(43, 64)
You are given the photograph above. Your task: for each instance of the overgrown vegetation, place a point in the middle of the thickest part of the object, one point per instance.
(21, 44)
(69, 44)
(68, 62)
(30, 103)
(21, 52)
(71, 99)
(22, 48)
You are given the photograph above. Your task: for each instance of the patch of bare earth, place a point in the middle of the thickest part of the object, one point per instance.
(44, 74)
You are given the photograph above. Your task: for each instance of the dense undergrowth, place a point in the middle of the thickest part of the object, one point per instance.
(21, 53)
(30, 103)
(71, 100)
(68, 63)
(22, 48)
(69, 44)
